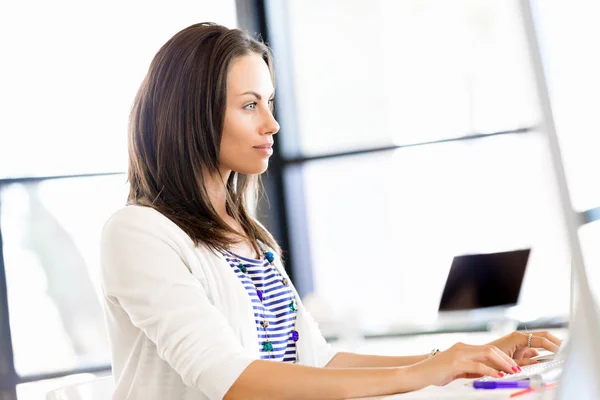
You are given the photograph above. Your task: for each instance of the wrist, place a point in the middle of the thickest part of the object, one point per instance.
(409, 378)
(423, 357)
(432, 353)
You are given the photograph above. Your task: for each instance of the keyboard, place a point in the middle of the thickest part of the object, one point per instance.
(534, 371)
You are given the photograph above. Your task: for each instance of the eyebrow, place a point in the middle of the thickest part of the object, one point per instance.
(258, 96)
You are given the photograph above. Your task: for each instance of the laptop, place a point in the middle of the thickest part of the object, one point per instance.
(481, 287)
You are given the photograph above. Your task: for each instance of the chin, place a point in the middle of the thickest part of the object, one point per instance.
(252, 170)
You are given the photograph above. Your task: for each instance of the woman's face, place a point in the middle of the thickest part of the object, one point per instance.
(249, 124)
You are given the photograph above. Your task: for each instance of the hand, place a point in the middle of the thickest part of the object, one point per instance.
(514, 345)
(461, 361)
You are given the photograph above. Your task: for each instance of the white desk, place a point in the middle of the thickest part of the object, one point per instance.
(459, 389)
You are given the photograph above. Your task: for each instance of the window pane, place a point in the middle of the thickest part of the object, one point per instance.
(569, 32)
(371, 73)
(384, 227)
(51, 235)
(70, 75)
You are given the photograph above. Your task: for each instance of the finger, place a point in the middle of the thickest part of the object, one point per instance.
(514, 367)
(528, 353)
(543, 343)
(549, 336)
(496, 358)
(525, 352)
(526, 361)
(474, 368)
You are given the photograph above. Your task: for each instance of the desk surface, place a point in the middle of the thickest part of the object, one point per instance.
(461, 389)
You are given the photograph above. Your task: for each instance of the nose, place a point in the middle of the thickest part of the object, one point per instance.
(270, 125)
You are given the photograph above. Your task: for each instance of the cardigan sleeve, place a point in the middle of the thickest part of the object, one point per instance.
(143, 272)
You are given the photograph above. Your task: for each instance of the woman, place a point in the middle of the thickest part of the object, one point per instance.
(198, 303)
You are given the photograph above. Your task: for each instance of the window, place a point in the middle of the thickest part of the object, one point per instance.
(370, 74)
(51, 233)
(72, 74)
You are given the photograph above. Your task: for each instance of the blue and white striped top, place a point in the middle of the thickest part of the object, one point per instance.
(275, 307)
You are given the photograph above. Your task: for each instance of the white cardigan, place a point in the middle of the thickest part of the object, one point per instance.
(181, 325)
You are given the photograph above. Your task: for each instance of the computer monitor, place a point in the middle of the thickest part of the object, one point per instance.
(582, 353)
(486, 280)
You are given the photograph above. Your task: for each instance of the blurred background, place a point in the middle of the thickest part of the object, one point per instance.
(409, 136)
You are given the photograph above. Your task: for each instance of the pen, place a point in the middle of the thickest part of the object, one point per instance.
(530, 390)
(501, 385)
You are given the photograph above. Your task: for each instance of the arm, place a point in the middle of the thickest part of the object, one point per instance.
(510, 344)
(144, 274)
(298, 382)
(288, 381)
(352, 360)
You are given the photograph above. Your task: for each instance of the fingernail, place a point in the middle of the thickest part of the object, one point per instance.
(515, 369)
(501, 374)
(520, 369)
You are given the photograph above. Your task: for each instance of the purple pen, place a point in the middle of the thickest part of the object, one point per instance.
(501, 384)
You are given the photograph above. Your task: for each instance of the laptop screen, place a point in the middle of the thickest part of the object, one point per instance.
(484, 280)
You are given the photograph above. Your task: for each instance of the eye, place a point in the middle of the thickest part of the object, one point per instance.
(251, 106)
(271, 104)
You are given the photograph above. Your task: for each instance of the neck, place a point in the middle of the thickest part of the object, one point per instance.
(216, 186)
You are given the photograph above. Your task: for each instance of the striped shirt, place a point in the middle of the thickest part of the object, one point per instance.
(275, 307)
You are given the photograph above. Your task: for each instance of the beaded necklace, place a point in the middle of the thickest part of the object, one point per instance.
(268, 256)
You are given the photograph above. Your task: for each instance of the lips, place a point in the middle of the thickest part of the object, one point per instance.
(265, 149)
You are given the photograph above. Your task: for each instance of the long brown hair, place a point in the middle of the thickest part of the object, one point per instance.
(175, 130)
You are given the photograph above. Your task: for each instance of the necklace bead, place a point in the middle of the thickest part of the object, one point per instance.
(268, 346)
(242, 267)
(270, 257)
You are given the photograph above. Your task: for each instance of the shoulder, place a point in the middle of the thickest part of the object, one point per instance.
(133, 214)
(135, 233)
(134, 220)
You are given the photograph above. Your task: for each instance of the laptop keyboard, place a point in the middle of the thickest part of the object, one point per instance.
(527, 372)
